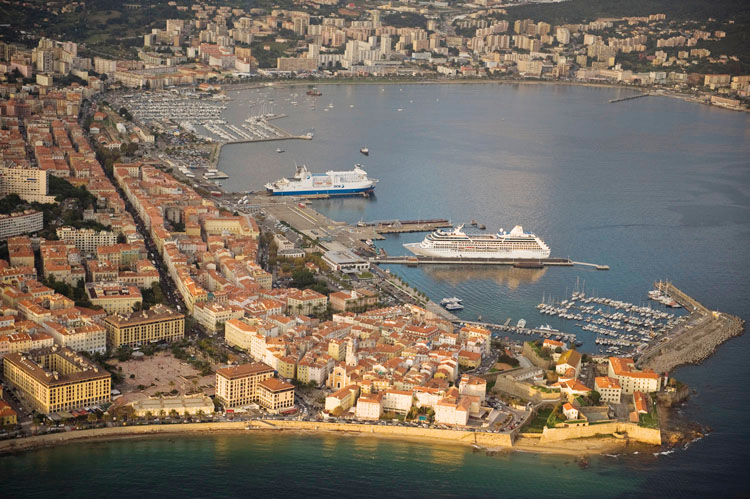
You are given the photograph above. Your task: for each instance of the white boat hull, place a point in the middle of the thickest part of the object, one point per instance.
(417, 249)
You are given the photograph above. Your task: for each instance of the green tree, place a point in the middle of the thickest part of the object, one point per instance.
(302, 278)
(595, 397)
(10, 203)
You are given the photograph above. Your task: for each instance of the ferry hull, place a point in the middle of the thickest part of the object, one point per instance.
(327, 192)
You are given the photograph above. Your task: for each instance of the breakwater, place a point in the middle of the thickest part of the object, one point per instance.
(694, 340)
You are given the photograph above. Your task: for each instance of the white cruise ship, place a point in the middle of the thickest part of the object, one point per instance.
(332, 183)
(457, 244)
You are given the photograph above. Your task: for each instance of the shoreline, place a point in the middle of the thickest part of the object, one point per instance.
(575, 448)
(654, 92)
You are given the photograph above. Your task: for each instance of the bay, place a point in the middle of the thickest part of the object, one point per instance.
(654, 187)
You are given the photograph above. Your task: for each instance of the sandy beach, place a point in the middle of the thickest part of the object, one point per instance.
(579, 447)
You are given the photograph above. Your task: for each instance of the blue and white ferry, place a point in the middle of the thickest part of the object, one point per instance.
(331, 183)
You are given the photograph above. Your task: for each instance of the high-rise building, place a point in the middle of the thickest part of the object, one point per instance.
(562, 35)
(385, 44)
(31, 184)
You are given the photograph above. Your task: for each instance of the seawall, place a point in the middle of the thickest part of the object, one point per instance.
(634, 432)
(481, 439)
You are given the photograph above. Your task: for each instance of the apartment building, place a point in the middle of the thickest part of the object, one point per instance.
(210, 315)
(631, 379)
(343, 398)
(88, 337)
(275, 395)
(86, 240)
(453, 410)
(23, 342)
(397, 401)
(609, 389)
(25, 222)
(20, 252)
(473, 386)
(31, 184)
(113, 297)
(239, 333)
(237, 386)
(370, 407)
(57, 379)
(159, 323)
(343, 301)
(305, 301)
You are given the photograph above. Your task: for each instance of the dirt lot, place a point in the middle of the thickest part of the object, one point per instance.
(501, 366)
(161, 373)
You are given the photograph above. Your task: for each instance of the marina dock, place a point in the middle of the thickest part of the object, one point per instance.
(544, 333)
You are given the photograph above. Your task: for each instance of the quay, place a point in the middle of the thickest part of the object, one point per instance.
(506, 327)
(630, 97)
(219, 145)
(692, 341)
(414, 261)
(402, 226)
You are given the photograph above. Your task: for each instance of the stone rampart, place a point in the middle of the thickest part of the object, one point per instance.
(646, 435)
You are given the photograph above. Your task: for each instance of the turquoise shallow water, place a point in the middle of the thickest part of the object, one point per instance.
(654, 187)
(264, 465)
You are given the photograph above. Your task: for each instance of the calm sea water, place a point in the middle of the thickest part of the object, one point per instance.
(654, 187)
